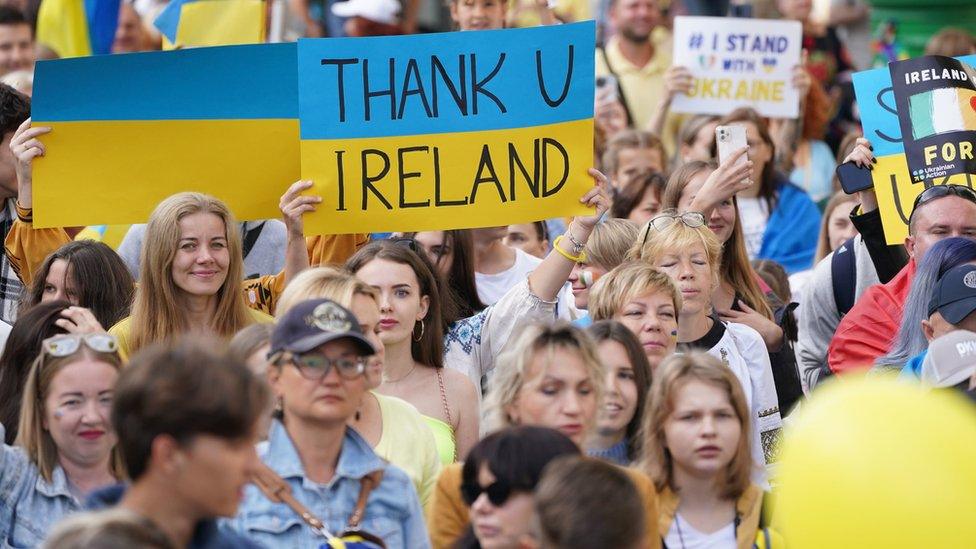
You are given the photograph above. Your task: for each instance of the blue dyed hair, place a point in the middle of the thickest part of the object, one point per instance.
(941, 257)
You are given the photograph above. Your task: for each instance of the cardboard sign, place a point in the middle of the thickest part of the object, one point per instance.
(894, 183)
(130, 130)
(738, 63)
(451, 130)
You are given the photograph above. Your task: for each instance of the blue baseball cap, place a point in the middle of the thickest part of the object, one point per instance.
(954, 295)
(316, 322)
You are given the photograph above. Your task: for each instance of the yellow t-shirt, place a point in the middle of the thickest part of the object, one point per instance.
(408, 443)
(123, 327)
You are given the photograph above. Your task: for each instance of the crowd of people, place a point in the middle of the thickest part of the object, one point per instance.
(619, 379)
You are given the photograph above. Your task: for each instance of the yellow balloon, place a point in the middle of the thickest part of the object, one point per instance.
(878, 462)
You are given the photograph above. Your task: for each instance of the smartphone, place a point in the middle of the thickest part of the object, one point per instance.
(730, 139)
(854, 178)
(606, 89)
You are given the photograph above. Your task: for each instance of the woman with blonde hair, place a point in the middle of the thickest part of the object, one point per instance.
(741, 295)
(646, 301)
(66, 447)
(837, 226)
(392, 426)
(697, 451)
(681, 246)
(606, 248)
(551, 377)
(190, 275)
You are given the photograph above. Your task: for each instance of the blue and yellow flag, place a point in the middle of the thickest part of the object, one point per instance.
(196, 23)
(130, 130)
(75, 28)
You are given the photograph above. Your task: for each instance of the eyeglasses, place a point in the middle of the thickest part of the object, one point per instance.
(61, 346)
(939, 191)
(314, 367)
(498, 492)
(407, 242)
(663, 221)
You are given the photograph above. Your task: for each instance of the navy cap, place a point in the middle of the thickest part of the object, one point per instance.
(954, 295)
(316, 322)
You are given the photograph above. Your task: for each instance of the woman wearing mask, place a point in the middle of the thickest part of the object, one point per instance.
(681, 246)
(628, 378)
(549, 377)
(696, 448)
(319, 359)
(393, 427)
(497, 481)
(65, 443)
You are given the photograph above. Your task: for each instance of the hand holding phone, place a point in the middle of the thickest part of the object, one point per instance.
(730, 139)
(854, 178)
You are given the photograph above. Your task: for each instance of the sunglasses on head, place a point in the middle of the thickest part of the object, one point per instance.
(407, 243)
(61, 346)
(663, 221)
(498, 492)
(939, 191)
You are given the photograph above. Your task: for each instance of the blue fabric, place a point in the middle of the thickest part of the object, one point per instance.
(168, 20)
(616, 454)
(792, 230)
(393, 511)
(821, 169)
(206, 535)
(103, 20)
(913, 368)
(583, 321)
(29, 505)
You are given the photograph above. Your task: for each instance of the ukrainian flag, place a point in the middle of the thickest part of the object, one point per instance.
(195, 23)
(75, 28)
(130, 130)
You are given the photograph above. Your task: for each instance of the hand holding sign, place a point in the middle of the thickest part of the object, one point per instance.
(294, 205)
(25, 147)
(598, 197)
(678, 79)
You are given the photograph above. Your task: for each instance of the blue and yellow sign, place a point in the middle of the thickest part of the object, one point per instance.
(130, 130)
(895, 185)
(452, 130)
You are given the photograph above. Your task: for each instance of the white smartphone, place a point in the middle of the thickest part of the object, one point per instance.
(730, 139)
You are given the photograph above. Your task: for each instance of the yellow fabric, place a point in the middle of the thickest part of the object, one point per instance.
(747, 507)
(220, 23)
(111, 235)
(27, 247)
(444, 438)
(262, 293)
(643, 87)
(124, 327)
(447, 515)
(408, 443)
(62, 25)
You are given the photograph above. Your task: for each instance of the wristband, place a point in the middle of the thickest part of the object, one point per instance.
(580, 258)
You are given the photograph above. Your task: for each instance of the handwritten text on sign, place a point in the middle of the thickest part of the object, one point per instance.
(738, 62)
(449, 131)
(894, 184)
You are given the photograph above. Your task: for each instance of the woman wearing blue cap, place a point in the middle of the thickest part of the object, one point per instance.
(322, 477)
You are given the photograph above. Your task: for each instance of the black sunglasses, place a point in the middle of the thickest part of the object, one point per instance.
(407, 242)
(939, 191)
(498, 493)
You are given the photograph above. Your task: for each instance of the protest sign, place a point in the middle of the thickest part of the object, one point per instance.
(130, 130)
(894, 184)
(738, 63)
(452, 130)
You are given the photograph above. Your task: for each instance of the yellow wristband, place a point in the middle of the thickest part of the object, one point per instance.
(581, 258)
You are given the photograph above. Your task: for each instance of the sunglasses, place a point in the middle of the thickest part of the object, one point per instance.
(498, 493)
(61, 346)
(315, 367)
(407, 243)
(663, 221)
(939, 191)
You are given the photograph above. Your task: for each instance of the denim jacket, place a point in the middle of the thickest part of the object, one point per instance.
(29, 505)
(393, 511)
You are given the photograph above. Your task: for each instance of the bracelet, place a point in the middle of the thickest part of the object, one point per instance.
(577, 245)
(581, 258)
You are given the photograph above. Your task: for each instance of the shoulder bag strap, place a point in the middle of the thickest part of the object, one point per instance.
(278, 491)
(620, 88)
(366, 485)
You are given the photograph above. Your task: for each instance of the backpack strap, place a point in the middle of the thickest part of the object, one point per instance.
(249, 237)
(843, 271)
(620, 88)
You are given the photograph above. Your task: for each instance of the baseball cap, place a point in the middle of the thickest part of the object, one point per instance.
(380, 11)
(316, 322)
(951, 359)
(954, 295)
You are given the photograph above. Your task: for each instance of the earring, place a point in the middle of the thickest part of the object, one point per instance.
(421, 336)
(279, 404)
